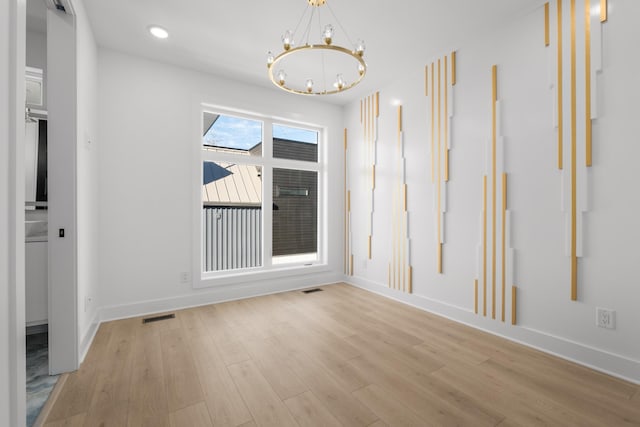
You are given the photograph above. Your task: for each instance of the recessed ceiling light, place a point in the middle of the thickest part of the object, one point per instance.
(158, 31)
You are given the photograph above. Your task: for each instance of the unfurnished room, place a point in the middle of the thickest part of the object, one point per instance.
(319, 213)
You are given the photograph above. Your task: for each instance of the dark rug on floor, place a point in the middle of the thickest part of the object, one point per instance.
(39, 382)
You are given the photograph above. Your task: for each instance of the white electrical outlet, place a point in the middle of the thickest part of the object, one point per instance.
(185, 277)
(605, 318)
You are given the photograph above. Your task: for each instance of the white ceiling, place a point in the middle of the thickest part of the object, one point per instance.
(230, 38)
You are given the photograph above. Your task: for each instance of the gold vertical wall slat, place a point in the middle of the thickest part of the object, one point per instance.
(373, 176)
(574, 205)
(603, 11)
(514, 291)
(404, 197)
(453, 68)
(377, 104)
(546, 24)
(494, 98)
(346, 212)
(351, 266)
(400, 246)
(426, 80)
(446, 121)
(475, 293)
(559, 87)
(439, 219)
(504, 242)
(361, 111)
(410, 286)
(484, 245)
(369, 247)
(587, 56)
(433, 115)
(349, 200)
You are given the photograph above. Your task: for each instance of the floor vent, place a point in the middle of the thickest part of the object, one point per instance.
(310, 291)
(158, 318)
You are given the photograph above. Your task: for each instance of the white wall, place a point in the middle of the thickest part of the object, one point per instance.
(37, 58)
(149, 118)
(87, 178)
(608, 278)
(12, 329)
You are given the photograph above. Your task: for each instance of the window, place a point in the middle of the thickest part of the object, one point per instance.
(260, 194)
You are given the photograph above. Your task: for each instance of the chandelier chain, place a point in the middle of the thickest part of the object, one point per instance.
(340, 24)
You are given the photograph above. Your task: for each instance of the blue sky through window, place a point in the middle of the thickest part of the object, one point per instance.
(243, 134)
(295, 134)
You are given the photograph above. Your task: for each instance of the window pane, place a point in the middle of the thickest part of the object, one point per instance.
(295, 143)
(231, 216)
(295, 216)
(228, 133)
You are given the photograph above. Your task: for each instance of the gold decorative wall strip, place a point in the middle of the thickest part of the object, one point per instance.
(494, 98)
(377, 112)
(347, 211)
(581, 106)
(500, 263)
(587, 76)
(546, 24)
(400, 270)
(426, 80)
(484, 245)
(603, 11)
(446, 122)
(369, 119)
(453, 68)
(559, 87)
(514, 294)
(475, 293)
(439, 191)
(504, 242)
(574, 204)
(441, 90)
(433, 112)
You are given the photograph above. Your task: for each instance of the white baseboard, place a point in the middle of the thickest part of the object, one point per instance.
(215, 295)
(594, 358)
(88, 337)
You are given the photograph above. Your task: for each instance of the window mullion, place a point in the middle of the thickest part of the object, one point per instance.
(267, 194)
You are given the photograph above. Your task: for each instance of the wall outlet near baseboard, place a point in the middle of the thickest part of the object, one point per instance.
(605, 318)
(185, 277)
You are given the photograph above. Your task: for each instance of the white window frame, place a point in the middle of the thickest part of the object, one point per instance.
(202, 279)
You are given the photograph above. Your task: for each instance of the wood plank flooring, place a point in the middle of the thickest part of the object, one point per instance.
(343, 356)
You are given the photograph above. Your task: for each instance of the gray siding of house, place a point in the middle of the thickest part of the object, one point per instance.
(295, 215)
(233, 237)
(285, 149)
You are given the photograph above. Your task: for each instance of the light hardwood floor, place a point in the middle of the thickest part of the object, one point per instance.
(343, 356)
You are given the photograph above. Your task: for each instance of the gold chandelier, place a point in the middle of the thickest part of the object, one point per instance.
(316, 68)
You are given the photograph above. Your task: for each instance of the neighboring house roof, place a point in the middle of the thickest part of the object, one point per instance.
(241, 187)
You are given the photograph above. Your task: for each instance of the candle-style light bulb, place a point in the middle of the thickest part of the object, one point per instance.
(339, 84)
(309, 85)
(270, 59)
(327, 34)
(282, 77)
(360, 47)
(361, 69)
(287, 40)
